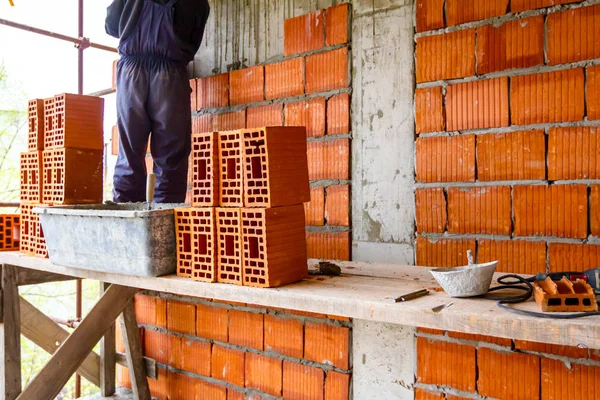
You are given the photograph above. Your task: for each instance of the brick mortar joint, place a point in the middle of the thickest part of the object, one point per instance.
(592, 123)
(448, 391)
(480, 236)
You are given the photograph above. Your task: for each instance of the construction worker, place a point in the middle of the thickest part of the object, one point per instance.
(158, 38)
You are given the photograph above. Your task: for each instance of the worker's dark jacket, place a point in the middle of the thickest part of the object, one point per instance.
(189, 21)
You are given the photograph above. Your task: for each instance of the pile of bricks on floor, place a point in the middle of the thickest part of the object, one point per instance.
(63, 164)
(246, 223)
(9, 232)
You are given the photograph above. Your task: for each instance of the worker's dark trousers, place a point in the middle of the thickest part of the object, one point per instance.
(152, 96)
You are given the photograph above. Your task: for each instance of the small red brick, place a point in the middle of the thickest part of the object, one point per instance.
(478, 104)
(329, 160)
(573, 257)
(247, 85)
(337, 386)
(574, 153)
(481, 338)
(595, 210)
(460, 362)
(547, 348)
(181, 317)
(429, 110)
(315, 209)
(593, 92)
(269, 115)
(461, 11)
(523, 5)
(229, 121)
(183, 387)
(213, 91)
(284, 336)
(338, 114)
(574, 381)
(446, 159)
(327, 71)
(175, 351)
(264, 374)
(443, 252)
(193, 95)
(337, 25)
(228, 365)
(304, 33)
(150, 310)
(284, 79)
(431, 210)
(202, 123)
(307, 113)
(246, 329)
(157, 346)
(328, 245)
(480, 210)
(337, 206)
(235, 395)
(212, 322)
(159, 387)
(196, 356)
(572, 35)
(327, 344)
(549, 97)
(459, 56)
(508, 375)
(301, 382)
(430, 15)
(515, 256)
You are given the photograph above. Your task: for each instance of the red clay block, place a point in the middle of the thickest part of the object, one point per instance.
(593, 92)
(459, 60)
(511, 156)
(229, 243)
(327, 71)
(430, 15)
(421, 394)
(194, 94)
(314, 210)
(429, 110)
(549, 97)
(519, 257)
(479, 104)
(231, 173)
(461, 11)
(31, 184)
(174, 351)
(304, 33)
(228, 365)
(272, 158)
(235, 395)
(181, 317)
(481, 338)
(523, 5)
(307, 113)
(212, 323)
(205, 169)
(557, 210)
(195, 231)
(202, 123)
(159, 387)
(574, 153)
(573, 257)
(229, 121)
(329, 160)
(572, 35)
(337, 206)
(270, 115)
(284, 336)
(446, 159)
(284, 79)
(150, 310)
(508, 375)
(247, 85)
(48, 117)
(72, 176)
(337, 24)
(264, 374)
(573, 381)
(460, 361)
(328, 245)
(274, 246)
(480, 210)
(157, 346)
(213, 91)
(9, 228)
(547, 348)
(32, 240)
(246, 329)
(431, 210)
(77, 123)
(443, 252)
(36, 125)
(515, 44)
(301, 382)
(195, 356)
(327, 344)
(338, 114)
(337, 386)
(595, 210)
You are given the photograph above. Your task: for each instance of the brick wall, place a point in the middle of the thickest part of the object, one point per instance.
(508, 132)
(221, 351)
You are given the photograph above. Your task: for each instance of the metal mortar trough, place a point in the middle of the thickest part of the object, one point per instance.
(125, 239)
(469, 281)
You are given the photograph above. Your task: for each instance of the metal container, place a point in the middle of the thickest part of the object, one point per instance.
(469, 281)
(125, 239)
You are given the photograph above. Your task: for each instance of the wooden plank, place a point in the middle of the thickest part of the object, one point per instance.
(47, 334)
(65, 361)
(133, 351)
(10, 336)
(107, 357)
(28, 276)
(151, 367)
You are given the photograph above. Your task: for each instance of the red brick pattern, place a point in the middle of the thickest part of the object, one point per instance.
(572, 35)
(524, 5)
(35, 118)
(560, 381)
(337, 24)
(304, 33)
(595, 210)
(302, 382)
(31, 184)
(308, 113)
(285, 79)
(194, 94)
(337, 212)
(246, 329)
(461, 11)
(229, 121)
(247, 85)
(328, 245)
(314, 210)
(205, 169)
(269, 115)
(230, 165)
(77, 123)
(446, 56)
(9, 225)
(429, 110)
(446, 159)
(479, 210)
(196, 243)
(327, 71)
(574, 153)
(229, 245)
(431, 210)
(520, 257)
(430, 15)
(338, 114)
(443, 252)
(329, 160)
(431, 354)
(213, 91)
(573, 257)
(284, 335)
(327, 344)
(593, 92)
(508, 375)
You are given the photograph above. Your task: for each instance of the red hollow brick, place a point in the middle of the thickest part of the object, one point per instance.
(212, 323)
(328, 245)
(337, 24)
(430, 15)
(284, 79)
(247, 85)
(284, 336)
(511, 156)
(304, 33)
(302, 382)
(460, 362)
(519, 257)
(48, 117)
(593, 92)
(458, 50)
(150, 310)
(573, 257)
(196, 356)
(337, 386)
(557, 210)
(308, 113)
(508, 375)
(228, 365)
(481, 338)
(574, 153)
(314, 210)
(337, 206)
(446, 159)
(327, 344)
(36, 125)
(479, 104)
(194, 94)
(32, 176)
(443, 252)
(213, 91)
(461, 11)
(547, 348)
(327, 71)
(480, 210)
(431, 210)
(573, 381)
(159, 387)
(523, 5)
(246, 329)
(9, 226)
(595, 210)
(205, 169)
(572, 35)
(231, 173)
(181, 317)
(264, 374)
(196, 243)
(157, 346)
(338, 114)
(202, 123)
(429, 110)
(515, 44)
(229, 121)
(329, 160)
(269, 115)
(549, 97)
(229, 243)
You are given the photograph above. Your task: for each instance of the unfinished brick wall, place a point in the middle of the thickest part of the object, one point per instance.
(218, 351)
(508, 134)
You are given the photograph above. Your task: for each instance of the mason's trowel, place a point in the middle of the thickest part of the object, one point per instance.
(150, 184)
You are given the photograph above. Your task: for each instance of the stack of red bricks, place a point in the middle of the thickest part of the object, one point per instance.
(246, 223)
(63, 164)
(508, 152)
(9, 232)
(215, 351)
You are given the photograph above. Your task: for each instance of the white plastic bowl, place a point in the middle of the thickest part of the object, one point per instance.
(469, 281)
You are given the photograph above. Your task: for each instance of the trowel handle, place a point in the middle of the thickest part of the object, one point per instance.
(150, 183)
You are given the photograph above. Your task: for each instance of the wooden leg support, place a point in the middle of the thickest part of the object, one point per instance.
(133, 351)
(10, 336)
(107, 357)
